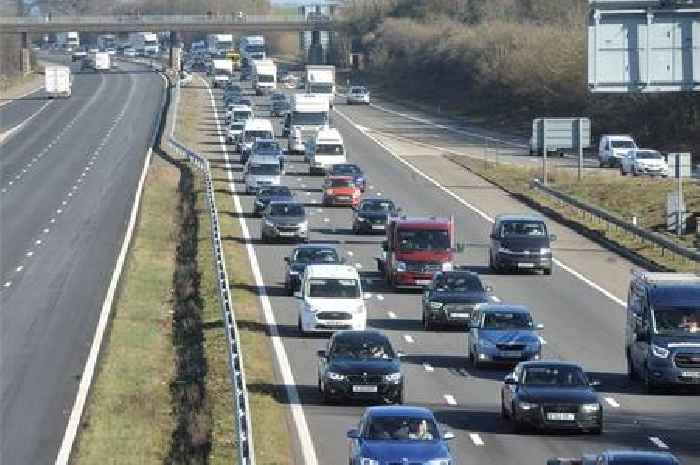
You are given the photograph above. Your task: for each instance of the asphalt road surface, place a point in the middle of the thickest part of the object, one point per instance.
(67, 184)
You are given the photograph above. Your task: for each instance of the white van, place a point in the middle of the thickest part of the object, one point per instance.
(254, 129)
(330, 299)
(261, 172)
(325, 150)
(613, 148)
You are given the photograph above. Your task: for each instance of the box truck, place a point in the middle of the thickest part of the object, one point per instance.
(320, 79)
(218, 45)
(145, 43)
(264, 76)
(221, 71)
(57, 81)
(68, 41)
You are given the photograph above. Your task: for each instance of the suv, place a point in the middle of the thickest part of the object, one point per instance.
(452, 297)
(284, 220)
(304, 255)
(261, 172)
(520, 242)
(662, 334)
(372, 215)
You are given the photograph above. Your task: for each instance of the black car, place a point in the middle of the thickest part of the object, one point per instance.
(520, 242)
(372, 215)
(360, 364)
(272, 193)
(452, 297)
(350, 169)
(307, 255)
(551, 395)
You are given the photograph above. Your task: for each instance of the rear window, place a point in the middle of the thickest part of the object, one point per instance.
(523, 228)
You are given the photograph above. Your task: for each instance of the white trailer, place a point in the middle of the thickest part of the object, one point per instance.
(57, 81)
(264, 77)
(221, 71)
(320, 79)
(102, 61)
(145, 43)
(219, 45)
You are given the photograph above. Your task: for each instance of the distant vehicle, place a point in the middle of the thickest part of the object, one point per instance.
(399, 435)
(308, 113)
(279, 108)
(219, 45)
(358, 95)
(304, 255)
(262, 173)
(520, 242)
(640, 162)
(58, 81)
(325, 150)
(320, 80)
(254, 129)
(452, 297)
(360, 365)
(662, 335)
(130, 52)
(106, 42)
(503, 334)
(372, 215)
(532, 396)
(340, 191)
(221, 72)
(268, 194)
(145, 43)
(284, 220)
(233, 134)
(613, 147)
(79, 54)
(621, 457)
(237, 112)
(349, 169)
(330, 299)
(264, 76)
(67, 41)
(251, 47)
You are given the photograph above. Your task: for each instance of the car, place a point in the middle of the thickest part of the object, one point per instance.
(254, 129)
(613, 147)
(503, 334)
(451, 298)
(279, 108)
(372, 215)
(349, 169)
(233, 134)
(307, 254)
(261, 172)
(551, 395)
(644, 161)
(358, 94)
(520, 242)
(269, 148)
(360, 365)
(662, 332)
(268, 194)
(397, 434)
(340, 191)
(236, 112)
(284, 220)
(620, 457)
(330, 299)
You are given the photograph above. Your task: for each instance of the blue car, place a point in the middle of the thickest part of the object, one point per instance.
(503, 334)
(398, 434)
(268, 194)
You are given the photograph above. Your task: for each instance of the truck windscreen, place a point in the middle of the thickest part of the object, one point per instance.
(318, 118)
(423, 239)
(255, 48)
(266, 78)
(320, 88)
(329, 149)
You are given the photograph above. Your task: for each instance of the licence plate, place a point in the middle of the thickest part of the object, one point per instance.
(378, 226)
(512, 353)
(364, 389)
(287, 233)
(690, 374)
(459, 315)
(526, 265)
(343, 197)
(557, 416)
(423, 282)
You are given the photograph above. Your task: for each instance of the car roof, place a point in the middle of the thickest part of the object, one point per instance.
(332, 271)
(399, 410)
(503, 308)
(328, 133)
(518, 217)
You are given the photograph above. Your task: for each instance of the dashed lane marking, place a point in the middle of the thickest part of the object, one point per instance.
(658, 442)
(408, 338)
(449, 398)
(428, 367)
(495, 299)
(476, 439)
(612, 402)
(392, 315)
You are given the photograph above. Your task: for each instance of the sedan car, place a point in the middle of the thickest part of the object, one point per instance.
(362, 365)
(341, 191)
(372, 215)
(452, 297)
(503, 334)
(349, 169)
(297, 261)
(644, 162)
(398, 435)
(284, 220)
(551, 395)
(358, 94)
(265, 195)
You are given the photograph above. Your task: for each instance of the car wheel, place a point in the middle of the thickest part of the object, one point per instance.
(475, 361)
(517, 425)
(547, 271)
(426, 323)
(622, 171)
(631, 372)
(598, 430)
(649, 385)
(290, 289)
(504, 412)
(634, 171)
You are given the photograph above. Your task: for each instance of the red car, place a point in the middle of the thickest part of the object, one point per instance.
(341, 190)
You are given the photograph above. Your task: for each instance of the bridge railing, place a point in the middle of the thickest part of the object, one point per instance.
(213, 19)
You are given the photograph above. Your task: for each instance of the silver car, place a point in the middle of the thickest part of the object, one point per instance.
(284, 220)
(359, 95)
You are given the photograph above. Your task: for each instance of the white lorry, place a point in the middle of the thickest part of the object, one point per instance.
(308, 113)
(320, 79)
(252, 48)
(145, 43)
(218, 45)
(99, 61)
(221, 71)
(68, 41)
(57, 81)
(264, 76)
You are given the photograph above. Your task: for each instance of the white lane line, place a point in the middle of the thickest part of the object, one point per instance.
(392, 315)
(30, 253)
(350, 253)
(476, 439)
(52, 220)
(14, 130)
(8, 283)
(358, 265)
(428, 367)
(495, 299)
(38, 242)
(542, 340)
(380, 297)
(46, 230)
(326, 220)
(19, 268)
(408, 338)
(658, 442)
(476, 210)
(450, 399)
(307, 446)
(612, 402)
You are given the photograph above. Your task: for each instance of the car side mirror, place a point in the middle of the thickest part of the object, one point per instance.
(510, 379)
(552, 237)
(539, 326)
(448, 435)
(353, 434)
(321, 353)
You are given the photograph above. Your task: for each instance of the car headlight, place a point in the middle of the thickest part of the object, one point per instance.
(368, 461)
(440, 462)
(660, 352)
(393, 377)
(486, 344)
(436, 305)
(590, 408)
(527, 406)
(503, 250)
(400, 266)
(545, 251)
(333, 376)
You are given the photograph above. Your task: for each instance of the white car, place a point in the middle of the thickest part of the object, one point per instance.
(331, 299)
(358, 94)
(643, 161)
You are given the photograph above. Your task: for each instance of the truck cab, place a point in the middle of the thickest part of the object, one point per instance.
(415, 249)
(264, 76)
(308, 114)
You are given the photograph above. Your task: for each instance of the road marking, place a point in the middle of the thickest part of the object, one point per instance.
(30, 253)
(408, 338)
(350, 253)
(52, 220)
(449, 398)
(478, 211)
(542, 341)
(379, 194)
(46, 230)
(59, 211)
(38, 242)
(392, 315)
(612, 402)
(495, 299)
(19, 268)
(380, 297)
(8, 283)
(476, 439)
(658, 442)
(326, 220)
(358, 265)
(428, 367)
(64, 202)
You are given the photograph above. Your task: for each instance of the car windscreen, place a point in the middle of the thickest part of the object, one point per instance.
(553, 376)
(268, 145)
(677, 320)
(250, 136)
(644, 155)
(330, 149)
(286, 209)
(275, 191)
(266, 169)
(506, 321)
(423, 239)
(361, 346)
(314, 255)
(316, 118)
(523, 228)
(401, 428)
(464, 283)
(320, 88)
(331, 288)
(341, 183)
(622, 144)
(241, 115)
(383, 206)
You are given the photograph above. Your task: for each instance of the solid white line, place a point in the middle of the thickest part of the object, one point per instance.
(476, 439)
(19, 268)
(476, 210)
(307, 446)
(12, 131)
(392, 315)
(449, 398)
(612, 402)
(8, 283)
(428, 367)
(658, 442)
(408, 338)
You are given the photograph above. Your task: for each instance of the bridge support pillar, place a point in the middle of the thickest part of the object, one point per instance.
(26, 54)
(175, 51)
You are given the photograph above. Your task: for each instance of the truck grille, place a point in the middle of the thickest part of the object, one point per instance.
(687, 360)
(333, 316)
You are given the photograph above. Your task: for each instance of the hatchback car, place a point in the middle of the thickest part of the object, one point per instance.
(360, 365)
(304, 255)
(372, 215)
(265, 195)
(398, 435)
(284, 220)
(644, 162)
(350, 169)
(452, 297)
(340, 191)
(358, 94)
(520, 242)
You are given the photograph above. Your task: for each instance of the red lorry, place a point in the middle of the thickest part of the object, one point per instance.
(415, 248)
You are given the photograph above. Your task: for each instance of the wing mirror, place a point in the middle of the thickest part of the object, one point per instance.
(447, 435)
(353, 434)
(510, 379)
(286, 259)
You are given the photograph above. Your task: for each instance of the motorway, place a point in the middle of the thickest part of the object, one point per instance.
(67, 184)
(582, 324)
